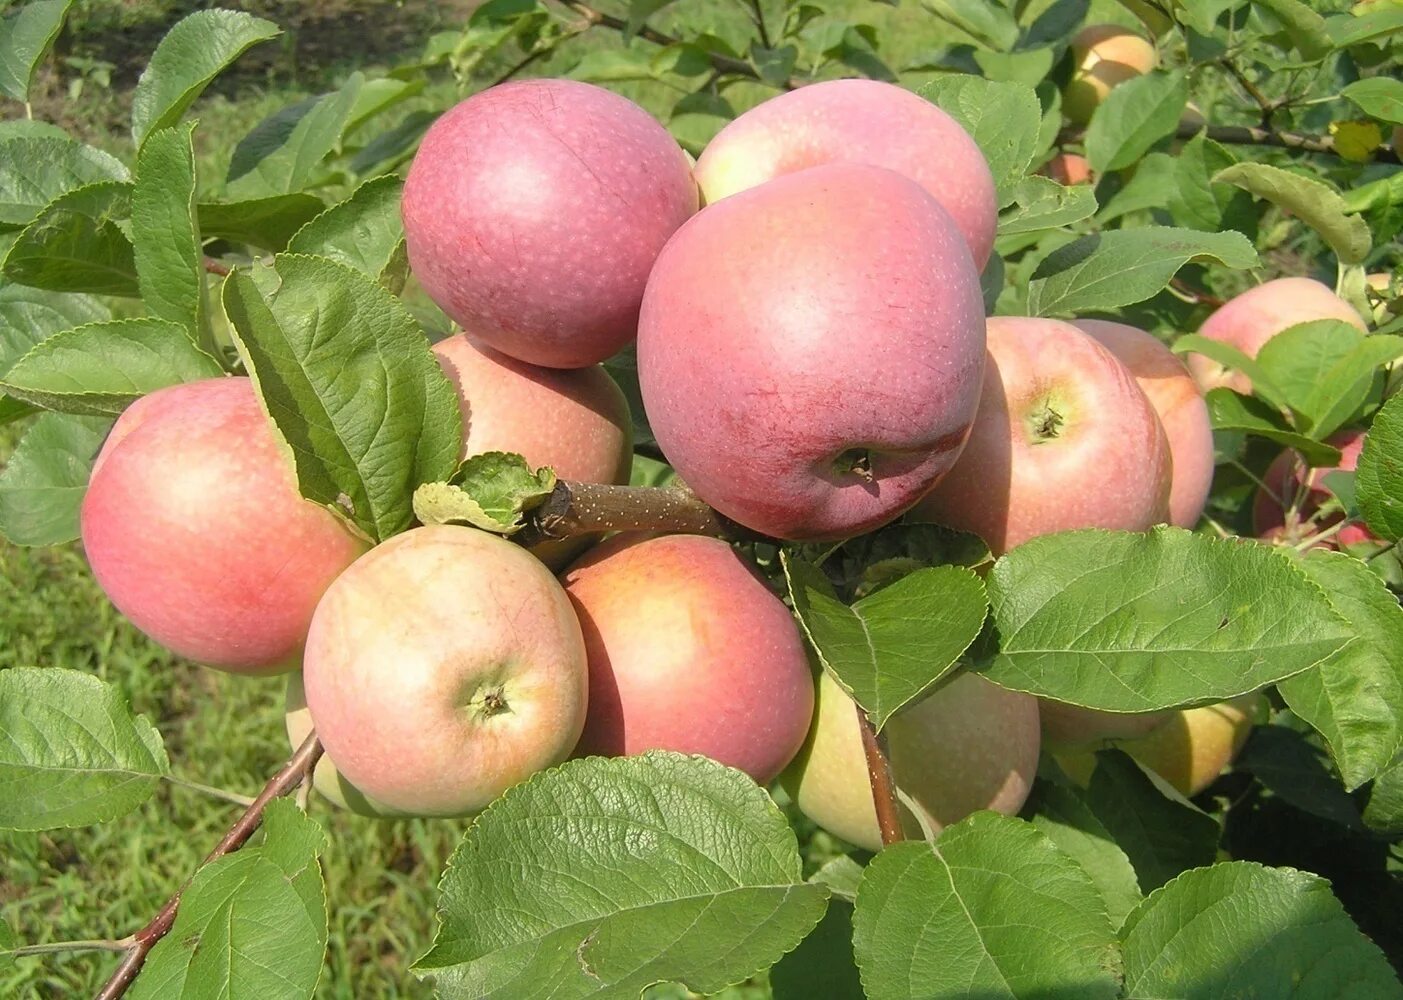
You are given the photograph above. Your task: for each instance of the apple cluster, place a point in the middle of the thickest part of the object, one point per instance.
(815, 362)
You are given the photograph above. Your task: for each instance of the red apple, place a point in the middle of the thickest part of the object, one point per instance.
(1068, 169)
(534, 211)
(689, 651)
(1288, 479)
(195, 529)
(810, 350)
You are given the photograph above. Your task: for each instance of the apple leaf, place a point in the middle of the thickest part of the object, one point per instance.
(1378, 97)
(823, 964)
(36, 169)
(1324, 369)
(1134, 116)
(1239, 929)
(1378, 480)
(1313, 202)
(283, 152)
(1297, 772)
(170, 266)
(1231, 411)
(1136, 622)
(489, 491)
(8, 944)
(43, 483)
(1196, 201)
(261, 222)
(26, 35)
(76, 244)
(1303, 26)
(1041, 203)
(29, 315)
(364, 232)
(892, 645)
(1062, 814)
(71, 751)
(1003, 119)
(992, 908)
(1230, 357)
(603, 876)
(1384, 811)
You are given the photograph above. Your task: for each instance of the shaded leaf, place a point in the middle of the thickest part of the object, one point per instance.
(42, 485)
(26, 35)
(1313, 202)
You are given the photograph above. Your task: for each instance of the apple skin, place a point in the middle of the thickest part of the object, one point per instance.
(1190, 750)
(1068, 169)
(1058, 412)
(1182, 412)
(326, 779)
(857, 121)
(1071, 726)
(195, 530)
(534, 211)
(970, 745)
(1249, 320)
(1105, 55)
(444, 667)
(830, 313)
(1288, 474)
(689, 651)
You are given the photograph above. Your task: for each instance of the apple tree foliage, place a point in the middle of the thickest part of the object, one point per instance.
(120, 275)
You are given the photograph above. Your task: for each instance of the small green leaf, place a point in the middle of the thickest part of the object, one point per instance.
(26, 35)
(1304, 26)
(1313, 202)
(1230, 357)
(991, 909)
(842, 875)
(189, 57)
(170, 263)
(1382, 20)
(261, 222)
(284, 151)
(1124, 266)
(1132, 622)
(603, 876)
(364, 232)
(992, 25)
(378, 96)
(1297, 772)
(1378, 481)
(1196, 201)
(1134, 116)
(489, 491)
(1379, 97)
(1151, 187)
(36, 169)
(1240, 929)
(1325, 370)
(639, 11)
(1003, 119)
(76, 245)
(1041, 203)
(71, 751)
(892, 645)
(42, 485)
(1062, 815)
(1231, 411)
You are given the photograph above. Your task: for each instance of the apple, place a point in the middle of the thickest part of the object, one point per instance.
(1288, 479)
(1068, 169)
(1182, 412)
(1064, 438)
(1071, 726)
(689, 651)
(1105, 56)
(326, 779)
(195, 529)
(970, 745)
(1190, 750)
(443, 667)
(1249, 320)
(810, 350)
(857, 121)
(533, 213)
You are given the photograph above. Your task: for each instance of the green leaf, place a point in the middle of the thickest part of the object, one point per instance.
(284, 151)
(36, 169)
(293, 841)
(364, 232)
(391, 148)
(823, 964)
(262, 222)
(42, 485)
(1240, 929)
(76, 245)
(1325, 369)
(1384, 811)
(1151, 187)
(8, 945)
(1134, 116)
(991, 909)
(1161, 832)
(101, 368)
(348, 378)
(26, 35)
(842, 875)
(1378, 481)
(892, 645)
(170, 262)
(1378, 97)
(1041, 203)
(1230, 357)
(1231, 411)
(71, 751)
(1297, 772)
(490, 491)
(1062, 814)
(603, 876)
(1003, 119)
(639, 11)
(1384, 19)
(1196, 201)
(189, 57)
(378, 96)
(1304, 27)
(28, 315)
(992, 25)
(1124, 266)
(1313, 202)
(1131, 622)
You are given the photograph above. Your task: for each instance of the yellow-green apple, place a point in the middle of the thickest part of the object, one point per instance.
(1190, 750)
(195, 530)
(857, 121)
(810, 350)
(1249, 320)
(326, 779)
(533, 212)
(1105, 56)
(1288, 483)
(443, 667)
(1071, 726)
(689, 651)
(970, 745)
(1068, 169)
(1182, 412)
(1057, 412)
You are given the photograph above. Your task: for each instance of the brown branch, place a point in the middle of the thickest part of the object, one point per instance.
(1247, 135)
(298, 767)
(590, 508)
(1263, 102)
(879, 774)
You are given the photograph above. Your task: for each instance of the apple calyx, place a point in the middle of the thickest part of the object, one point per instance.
(1044, 421)
(854, 462)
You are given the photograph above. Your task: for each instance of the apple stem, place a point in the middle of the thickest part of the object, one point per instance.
(286, 780)
(589, 508)
(879, 774)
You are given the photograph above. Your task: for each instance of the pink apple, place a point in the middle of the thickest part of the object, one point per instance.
(1105, 56)
(195, 529)
(534, 211)
(1249, 320)
(1064, 438)
(1068, 169)
(326, 779)
(970, 745)
(810, 350)
(689, 651)
(1182, 412)
(1288, 480)
(442, 668)
(857, 121)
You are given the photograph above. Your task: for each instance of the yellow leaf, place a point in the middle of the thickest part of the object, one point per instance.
(1357, 140)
